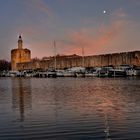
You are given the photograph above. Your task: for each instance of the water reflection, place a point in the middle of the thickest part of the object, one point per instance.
(70, 108)
(110, 102)
(21, 96)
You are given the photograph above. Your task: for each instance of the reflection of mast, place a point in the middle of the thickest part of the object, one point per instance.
(83, 57)
(107, 129)
(54, 55)
(21, 102)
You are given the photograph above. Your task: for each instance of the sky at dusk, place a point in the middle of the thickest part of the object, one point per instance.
(98, 26)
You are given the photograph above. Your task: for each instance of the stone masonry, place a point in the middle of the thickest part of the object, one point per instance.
(115, 59)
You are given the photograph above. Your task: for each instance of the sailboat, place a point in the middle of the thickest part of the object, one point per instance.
(81, 70)
(52, 72)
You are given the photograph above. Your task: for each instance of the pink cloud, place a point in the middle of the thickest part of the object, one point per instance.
(104, 38)
(93, 42)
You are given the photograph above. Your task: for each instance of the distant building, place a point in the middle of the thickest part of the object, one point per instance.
(19, 55)
(21, 60)
(62, 62)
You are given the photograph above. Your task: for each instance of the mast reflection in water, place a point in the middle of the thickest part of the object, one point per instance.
(69, 108)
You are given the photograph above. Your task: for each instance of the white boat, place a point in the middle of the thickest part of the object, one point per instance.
(69, 73)
(79, 74)
(74, 72)
(103, 73)
(130, 72)
(94, 72)
(77, 69)
(13, 73)
(89, 74)
(137, 71)
(51, 73)
(60, 73)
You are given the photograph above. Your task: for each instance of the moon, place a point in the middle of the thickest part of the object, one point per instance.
(104, 12)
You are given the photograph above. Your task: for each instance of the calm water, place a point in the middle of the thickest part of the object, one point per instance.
(70, 109)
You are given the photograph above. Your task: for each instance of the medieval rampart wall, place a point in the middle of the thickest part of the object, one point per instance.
(115, 59)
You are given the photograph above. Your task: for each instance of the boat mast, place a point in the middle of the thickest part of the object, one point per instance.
(54, 55)
(83, 57)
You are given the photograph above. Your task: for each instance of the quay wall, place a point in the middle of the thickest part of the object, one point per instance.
(115, 59)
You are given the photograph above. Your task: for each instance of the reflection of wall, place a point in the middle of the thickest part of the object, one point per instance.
(21, 95)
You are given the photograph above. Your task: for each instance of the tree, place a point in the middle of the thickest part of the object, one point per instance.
(5, 65)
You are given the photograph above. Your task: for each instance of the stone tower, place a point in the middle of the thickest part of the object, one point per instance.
(19, 55)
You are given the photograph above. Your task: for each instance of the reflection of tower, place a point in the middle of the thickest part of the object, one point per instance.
(19, 55)
(21, 96)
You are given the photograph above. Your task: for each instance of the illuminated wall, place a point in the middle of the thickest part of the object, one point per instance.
(115, 59)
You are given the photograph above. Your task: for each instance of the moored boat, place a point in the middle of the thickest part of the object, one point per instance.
(137, 71)
(116, 73)
(51, 73)
(60, 73)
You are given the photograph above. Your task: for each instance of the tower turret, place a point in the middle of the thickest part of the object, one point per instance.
(20, 42)
(19, 55)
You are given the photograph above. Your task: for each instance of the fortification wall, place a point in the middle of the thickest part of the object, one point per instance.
(115, 59)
